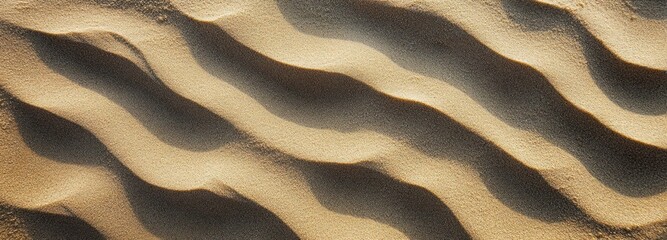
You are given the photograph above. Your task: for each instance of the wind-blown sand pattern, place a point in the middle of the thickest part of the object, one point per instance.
(306, 119)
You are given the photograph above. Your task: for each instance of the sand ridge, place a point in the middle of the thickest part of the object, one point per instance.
(320, 120)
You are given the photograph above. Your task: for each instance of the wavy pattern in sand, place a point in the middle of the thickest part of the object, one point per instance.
(319, 120)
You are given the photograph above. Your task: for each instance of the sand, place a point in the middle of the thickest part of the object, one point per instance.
(350, 119)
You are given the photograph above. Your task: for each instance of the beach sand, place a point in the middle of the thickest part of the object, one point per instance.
(350, 119)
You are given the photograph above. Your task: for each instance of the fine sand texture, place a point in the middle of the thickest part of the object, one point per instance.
(333, 119)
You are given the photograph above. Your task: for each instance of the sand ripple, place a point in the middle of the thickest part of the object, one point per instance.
(320, 120)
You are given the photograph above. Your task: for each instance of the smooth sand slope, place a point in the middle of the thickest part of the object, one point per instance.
(350, 119)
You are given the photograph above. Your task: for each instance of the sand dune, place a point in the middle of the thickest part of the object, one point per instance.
(218, 119)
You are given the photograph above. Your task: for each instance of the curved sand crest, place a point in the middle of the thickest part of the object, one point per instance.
(360, 119)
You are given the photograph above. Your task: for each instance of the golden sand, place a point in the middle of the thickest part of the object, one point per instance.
(350, 119)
